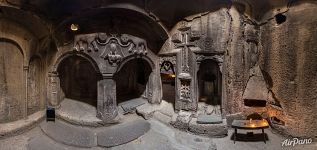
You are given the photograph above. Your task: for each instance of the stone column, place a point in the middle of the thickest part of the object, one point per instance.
(25, 71)
(107, 109)
(53, 90)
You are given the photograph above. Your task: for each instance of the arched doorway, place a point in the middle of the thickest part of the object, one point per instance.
(78, 79)
(168, 81)
(132, 79)
(210, 85)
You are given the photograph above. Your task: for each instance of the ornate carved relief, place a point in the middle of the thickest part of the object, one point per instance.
(185, 92)
(111, 47)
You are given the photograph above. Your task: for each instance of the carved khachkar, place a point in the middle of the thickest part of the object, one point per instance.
(184, 40)
(185, 91)
(110, 47)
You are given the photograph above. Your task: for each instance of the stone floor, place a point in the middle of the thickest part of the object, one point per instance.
(159, 137)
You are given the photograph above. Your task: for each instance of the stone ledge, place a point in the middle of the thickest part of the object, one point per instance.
(78, 113)
(17, 127)
(69, 134)
(123, 133)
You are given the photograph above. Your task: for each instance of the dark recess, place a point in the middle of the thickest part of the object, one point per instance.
(280, 18)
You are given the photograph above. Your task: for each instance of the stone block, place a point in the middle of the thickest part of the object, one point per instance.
(211, 130)
(146, 110)
(162, 117)
(209, 119)
(167, 108)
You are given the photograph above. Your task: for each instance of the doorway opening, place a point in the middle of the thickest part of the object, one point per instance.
(78, 79)
(168, 81)
(210, 86)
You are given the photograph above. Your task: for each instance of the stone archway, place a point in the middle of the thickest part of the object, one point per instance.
(132, 79)
(78, 79)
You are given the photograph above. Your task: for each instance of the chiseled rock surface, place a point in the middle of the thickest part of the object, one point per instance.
(121, 134)
(212, 130)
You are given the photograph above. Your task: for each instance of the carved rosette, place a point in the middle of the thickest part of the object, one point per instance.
(184, 91)
(112, 48)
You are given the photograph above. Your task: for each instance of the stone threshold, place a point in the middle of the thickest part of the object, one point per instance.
(20, 126)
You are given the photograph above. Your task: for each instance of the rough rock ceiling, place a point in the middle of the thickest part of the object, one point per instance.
(142, 16)
(168, 11)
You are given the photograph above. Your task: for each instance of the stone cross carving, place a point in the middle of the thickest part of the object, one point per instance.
(185, 40)
(185, 43)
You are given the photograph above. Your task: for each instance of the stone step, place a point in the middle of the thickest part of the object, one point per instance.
(69, 134)
(89, 137)
(123, 133)
(78, 113)
(45, 143)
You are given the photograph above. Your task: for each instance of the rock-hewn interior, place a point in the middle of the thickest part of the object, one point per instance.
(195, 66)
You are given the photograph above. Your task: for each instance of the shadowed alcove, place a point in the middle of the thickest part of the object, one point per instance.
(132, 79)
(209, 82)
(78, 79)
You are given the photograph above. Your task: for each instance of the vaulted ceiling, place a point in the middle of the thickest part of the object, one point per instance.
(142, 16)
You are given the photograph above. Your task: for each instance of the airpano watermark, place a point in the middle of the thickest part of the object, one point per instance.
(296, 141)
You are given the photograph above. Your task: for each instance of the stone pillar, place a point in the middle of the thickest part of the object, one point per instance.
(25, 109)
(107, 109)
(53, 92)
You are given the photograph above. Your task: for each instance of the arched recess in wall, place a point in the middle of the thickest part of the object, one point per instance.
(133, 79)
(35, 85)
(12, 86)
(78, 75)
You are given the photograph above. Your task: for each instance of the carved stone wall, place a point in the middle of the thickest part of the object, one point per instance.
(35, 86)
(208, 36)
(288, 57)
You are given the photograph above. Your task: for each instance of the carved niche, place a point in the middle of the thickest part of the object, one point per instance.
(167, 64)
(112, 48)
(217, 58)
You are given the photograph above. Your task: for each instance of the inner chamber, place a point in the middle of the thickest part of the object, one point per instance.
(209, 84)
(132, 79)
(79, 79)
